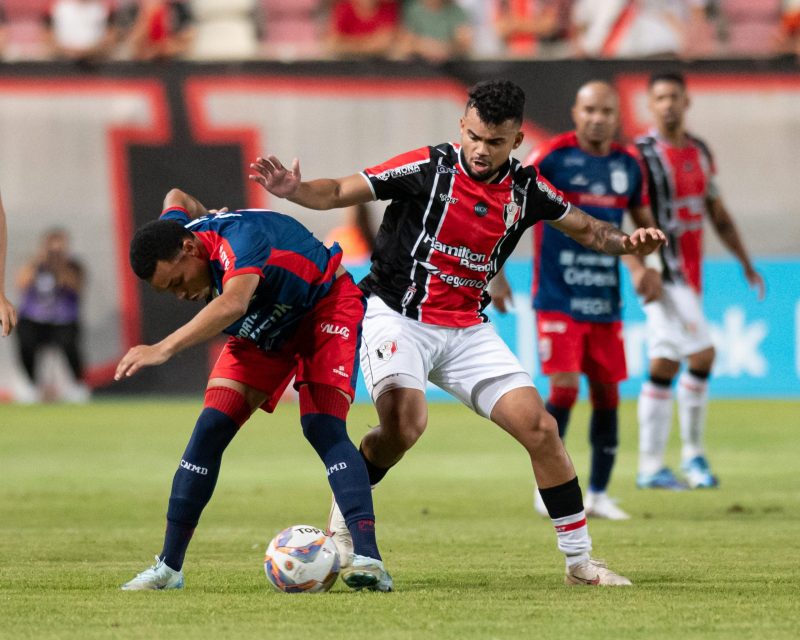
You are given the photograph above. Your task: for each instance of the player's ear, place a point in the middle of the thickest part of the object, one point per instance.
(189, 247)
(518, 139)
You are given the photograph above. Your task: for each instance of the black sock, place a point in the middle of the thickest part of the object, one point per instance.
(561, 414)
(563, 500)
(603, 438)
(376, 474)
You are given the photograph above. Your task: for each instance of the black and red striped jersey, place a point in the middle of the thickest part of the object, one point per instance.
(681, 180)
(445, 235)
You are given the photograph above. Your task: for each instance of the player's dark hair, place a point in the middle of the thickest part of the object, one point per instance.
(497, 101)
(154, 241)
(667, 76)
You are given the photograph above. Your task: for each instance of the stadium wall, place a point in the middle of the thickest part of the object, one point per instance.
(95, 150)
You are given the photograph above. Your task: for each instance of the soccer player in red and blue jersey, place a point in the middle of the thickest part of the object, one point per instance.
(291, 311)
(576, 291)
(683, 190)
(457, 211)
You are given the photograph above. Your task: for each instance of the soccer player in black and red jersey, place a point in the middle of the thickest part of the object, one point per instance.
(457, 212)
(683, 191)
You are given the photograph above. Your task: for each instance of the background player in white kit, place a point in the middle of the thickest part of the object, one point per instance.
(683, 192)
(457, 212)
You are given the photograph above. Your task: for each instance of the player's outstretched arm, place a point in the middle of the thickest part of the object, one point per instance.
(8, 315)
(221, 312)
(729, 234)
(178, 198)
(607, 238)
(322, 194)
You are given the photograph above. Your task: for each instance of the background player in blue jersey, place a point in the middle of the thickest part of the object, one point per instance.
(8, 316)
(576, 291)
(457, 211)
(291, 311)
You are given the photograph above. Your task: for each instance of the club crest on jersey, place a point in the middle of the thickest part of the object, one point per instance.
(619, 180)
(511, 213)
(481, 209)
(386, 350)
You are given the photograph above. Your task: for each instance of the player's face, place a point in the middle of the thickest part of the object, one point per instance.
(187, 276)
(487, 146)
(668, 103)
(596, 115)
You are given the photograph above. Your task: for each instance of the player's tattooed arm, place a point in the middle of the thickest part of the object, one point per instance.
(607, 238)
(178, 198)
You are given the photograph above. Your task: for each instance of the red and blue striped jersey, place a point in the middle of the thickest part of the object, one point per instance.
(567, 276)
(295, 268)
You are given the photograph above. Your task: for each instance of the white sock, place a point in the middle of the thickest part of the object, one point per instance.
(655, 420)
(692, 408)
(572, 535)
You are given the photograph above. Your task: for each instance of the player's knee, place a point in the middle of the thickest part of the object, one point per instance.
(544, 431)
(702, 361)
(404, 426)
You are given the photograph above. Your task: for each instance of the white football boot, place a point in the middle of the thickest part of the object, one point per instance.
(593, 572)
(367, 573)
(157, 577)
(599, 505)
(337, 528)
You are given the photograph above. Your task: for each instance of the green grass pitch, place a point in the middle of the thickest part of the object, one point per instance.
(83, 493)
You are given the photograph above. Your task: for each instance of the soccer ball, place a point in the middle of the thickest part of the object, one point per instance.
(302, 559)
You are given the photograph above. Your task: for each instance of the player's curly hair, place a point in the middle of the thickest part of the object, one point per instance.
(154, 241)
(497, 101)
(675, 77)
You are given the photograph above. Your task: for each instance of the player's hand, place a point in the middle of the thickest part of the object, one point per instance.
(756, 281)
(501, 295)
(276, 178)
(8, 316)
(648, 285)
(643, 241)
(143, 355)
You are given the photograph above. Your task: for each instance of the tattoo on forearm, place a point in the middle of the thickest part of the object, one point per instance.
(609, 239)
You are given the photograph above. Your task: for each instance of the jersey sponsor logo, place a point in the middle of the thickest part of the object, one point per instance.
(462, 252)
(249, 329)
(619, 179)
(589, 277)
(223, 256)
(450, 170)
(520, 190)
(399, 172)
(545, 188)
(591, 306)
(511, 214)
(203, 471)
(341, 371)
(449, 199)
(481, 209)
(554, 326)
(386, 350)
(579, 180)
(335, 330)
(457, 281)
(574, 161)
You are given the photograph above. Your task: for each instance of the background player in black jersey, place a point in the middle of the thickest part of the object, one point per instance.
(457, 212)
(8, 316)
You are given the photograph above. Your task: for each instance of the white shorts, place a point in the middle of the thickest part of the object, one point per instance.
(676, 324)
(465, 362)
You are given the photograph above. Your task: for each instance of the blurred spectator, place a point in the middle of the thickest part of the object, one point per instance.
(356, 236)
(226, 29)
(156, 29)
(435, 30)
(635, 28)
(3, 32)
(534, 28)
(293, 28)
(789, 32)
(49, 314)
(80, 30)
(363, 28)
(485, 43)
(750, 26)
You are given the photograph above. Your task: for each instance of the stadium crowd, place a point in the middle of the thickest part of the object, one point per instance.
(432, 30)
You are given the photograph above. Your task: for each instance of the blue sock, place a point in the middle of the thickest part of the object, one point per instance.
(603, 438)
(561, 414)
(194, 482)
(347, 476)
